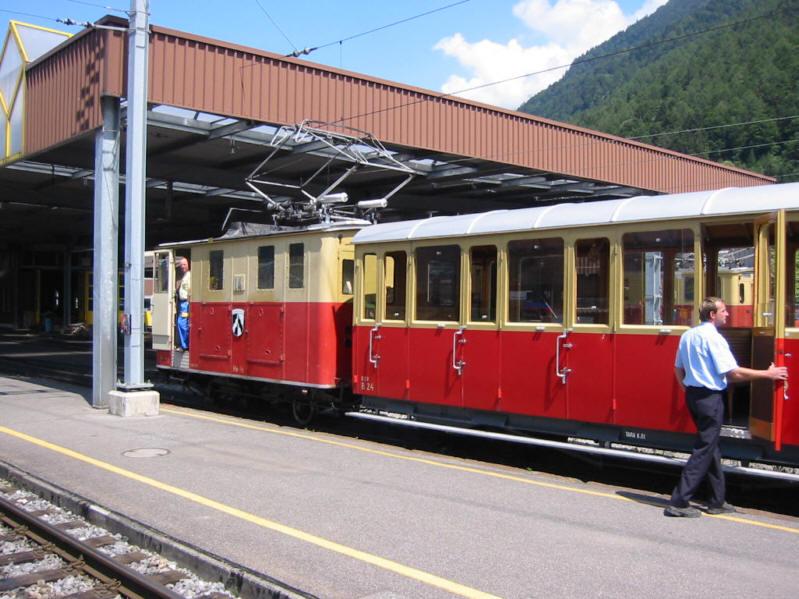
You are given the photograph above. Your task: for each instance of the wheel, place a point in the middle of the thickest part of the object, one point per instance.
(303, 409)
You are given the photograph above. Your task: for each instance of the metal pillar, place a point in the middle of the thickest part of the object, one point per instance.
(66, 308)
(106, 234)
(135, 189)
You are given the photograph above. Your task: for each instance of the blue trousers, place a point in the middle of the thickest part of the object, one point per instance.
(183, 324)
(707, 410)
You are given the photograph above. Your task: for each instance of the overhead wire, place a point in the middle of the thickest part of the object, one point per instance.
(308, 50)
(652, 44)
(96, 5)
(271, 20)
(27, 14)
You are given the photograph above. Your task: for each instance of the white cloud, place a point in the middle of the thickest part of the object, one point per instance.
(571, 26)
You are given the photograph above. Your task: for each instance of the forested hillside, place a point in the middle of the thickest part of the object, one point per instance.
(745, 72)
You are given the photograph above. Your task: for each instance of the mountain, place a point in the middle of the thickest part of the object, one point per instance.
(694, 64)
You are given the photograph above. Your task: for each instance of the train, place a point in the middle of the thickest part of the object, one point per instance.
(559, 321)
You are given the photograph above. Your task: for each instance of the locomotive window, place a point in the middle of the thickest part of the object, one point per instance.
(266, 267)
(216, 279)
(296, 265)
(395, 271)
(593, 278)
(657, 266)
(162, 273)
(438, 283)
(483, 260)
(369, 291)
(347, 276)
(535, 269)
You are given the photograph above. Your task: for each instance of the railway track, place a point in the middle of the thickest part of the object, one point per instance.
(47, 552)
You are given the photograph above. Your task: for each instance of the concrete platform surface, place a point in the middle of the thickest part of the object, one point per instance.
(347, 518)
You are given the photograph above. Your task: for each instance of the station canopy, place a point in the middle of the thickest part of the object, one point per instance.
(432, 155)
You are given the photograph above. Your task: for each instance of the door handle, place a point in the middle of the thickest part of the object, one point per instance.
(562, 374)
(458, 364)
(373, 335)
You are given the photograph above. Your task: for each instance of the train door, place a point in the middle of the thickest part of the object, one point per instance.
(788, 406)
(477, 347)
(533, 337)
(163, 300)
(769, 331)
(366, 337)
(436, 335)
(586, 356)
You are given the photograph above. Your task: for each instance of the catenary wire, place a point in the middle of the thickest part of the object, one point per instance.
(565, 66)
(271, 20)
(96, 5)
(307, 51)
(28, 14)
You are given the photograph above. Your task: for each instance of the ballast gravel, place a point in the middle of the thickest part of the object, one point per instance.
(191, 586)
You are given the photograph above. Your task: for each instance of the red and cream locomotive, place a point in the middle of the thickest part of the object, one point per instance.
(557, 321)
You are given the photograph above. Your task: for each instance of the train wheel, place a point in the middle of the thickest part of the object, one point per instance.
(303, 409)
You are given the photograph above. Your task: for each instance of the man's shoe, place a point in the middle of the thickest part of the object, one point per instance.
(724, 508)
(681, 512)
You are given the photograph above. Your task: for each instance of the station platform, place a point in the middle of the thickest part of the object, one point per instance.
(341, 517)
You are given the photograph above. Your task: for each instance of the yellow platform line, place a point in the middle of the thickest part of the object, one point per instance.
(387, 564)
(439, 464)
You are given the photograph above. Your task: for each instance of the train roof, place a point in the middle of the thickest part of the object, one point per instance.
(247, 230)
(733, 200)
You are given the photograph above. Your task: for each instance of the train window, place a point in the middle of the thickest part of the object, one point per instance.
(483, 271)
(438, 283)
(657, 265)
(729, 263)
(791, 279)
(535, 279)
(593, 280)
(216, 258)
(266, 267)
(296, 265)
(395, 280)
(369, 298)
(162, 274)
(347, 276)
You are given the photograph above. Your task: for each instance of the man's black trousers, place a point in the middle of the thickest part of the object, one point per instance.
(707, 409)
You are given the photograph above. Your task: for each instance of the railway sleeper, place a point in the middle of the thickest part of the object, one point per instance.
(26, 580)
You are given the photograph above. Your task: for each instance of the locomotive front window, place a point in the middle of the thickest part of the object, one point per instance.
(347, 276)
(395, 273)
(657, 266)
(593, 280)
(162, 273)
(296, 265)
(369, 288)
(266, 267)
(216, 258)
(483, 271)
(535, 269)
(438, 283)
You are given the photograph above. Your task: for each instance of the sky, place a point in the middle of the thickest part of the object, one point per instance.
(463, 44)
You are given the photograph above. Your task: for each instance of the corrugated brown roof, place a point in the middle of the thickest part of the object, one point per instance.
(217, 77)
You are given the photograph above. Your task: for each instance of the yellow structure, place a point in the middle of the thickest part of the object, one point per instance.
(24, 43)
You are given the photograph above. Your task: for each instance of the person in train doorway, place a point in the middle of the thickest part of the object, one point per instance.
(703, 366)
(182, 298)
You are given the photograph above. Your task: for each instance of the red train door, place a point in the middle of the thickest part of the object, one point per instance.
(436, 337)
(476, 346)
(768, 334)
(532, 338)
(586, 353)
(381, 336)
(788, 404)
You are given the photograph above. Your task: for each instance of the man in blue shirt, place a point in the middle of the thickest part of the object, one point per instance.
(703, 366)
